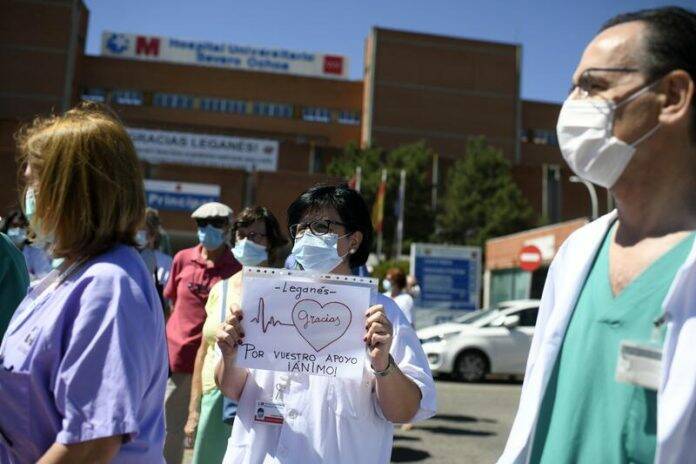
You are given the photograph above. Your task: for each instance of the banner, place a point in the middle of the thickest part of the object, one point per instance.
(202, 53)
(296, 321)
(220, 151)
(179, 196)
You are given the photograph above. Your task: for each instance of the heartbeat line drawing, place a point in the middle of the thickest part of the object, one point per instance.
(261, 318)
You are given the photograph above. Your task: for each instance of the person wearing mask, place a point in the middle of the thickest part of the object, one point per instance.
(83, 365)
(38, 262)
(394, 285)
(194, 272)
(158, 263)
(621, 292)
(257, 240)
(412, 287)
(331, 420)
(14, 280)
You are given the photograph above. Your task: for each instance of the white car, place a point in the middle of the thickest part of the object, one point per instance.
(489, 341)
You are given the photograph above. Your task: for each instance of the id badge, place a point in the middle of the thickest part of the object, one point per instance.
(639, 364)
(268, 412)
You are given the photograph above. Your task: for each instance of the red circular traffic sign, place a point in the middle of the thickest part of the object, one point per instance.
(530, 258)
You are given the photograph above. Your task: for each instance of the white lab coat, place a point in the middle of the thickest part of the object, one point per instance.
(676, 399)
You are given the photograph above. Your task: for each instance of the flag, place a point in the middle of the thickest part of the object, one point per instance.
(378, 208)
(355, 181)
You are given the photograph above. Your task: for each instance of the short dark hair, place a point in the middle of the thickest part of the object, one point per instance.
(670, 45)
(9, 219)
(397, 277)
(349, 205)
(274, 235)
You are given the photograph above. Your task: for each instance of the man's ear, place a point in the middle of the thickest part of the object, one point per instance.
(678, 95)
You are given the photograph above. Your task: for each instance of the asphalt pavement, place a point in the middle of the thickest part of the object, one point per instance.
(471, 425)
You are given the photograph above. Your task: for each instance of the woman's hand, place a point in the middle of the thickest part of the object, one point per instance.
(191, 426)
(230, 333)
(379, 337)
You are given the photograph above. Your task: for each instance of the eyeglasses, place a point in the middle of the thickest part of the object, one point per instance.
(318, 227)
(591, 81)
(250, 235)
(217, 222)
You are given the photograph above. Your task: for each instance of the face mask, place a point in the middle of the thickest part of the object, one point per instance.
(249, 253)
(30, 204)
(585, 134)
(210, 237)
(57, 262)
(318, 253)
(141, 238)
(17, 235)
(387, 285)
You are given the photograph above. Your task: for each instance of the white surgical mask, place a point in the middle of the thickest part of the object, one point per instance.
(318, 253)
(586, 136)
(249, 253)
(18, 235)
(387, 285)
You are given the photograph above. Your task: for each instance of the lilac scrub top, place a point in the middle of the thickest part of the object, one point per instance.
(85, 360)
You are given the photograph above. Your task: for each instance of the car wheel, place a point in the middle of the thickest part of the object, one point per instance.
(471, 366)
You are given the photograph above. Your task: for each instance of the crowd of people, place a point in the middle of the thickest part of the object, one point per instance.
(113, 351)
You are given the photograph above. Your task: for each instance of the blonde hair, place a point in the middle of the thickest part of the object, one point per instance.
(87, 180)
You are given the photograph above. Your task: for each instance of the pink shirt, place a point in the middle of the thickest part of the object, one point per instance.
(189, 283)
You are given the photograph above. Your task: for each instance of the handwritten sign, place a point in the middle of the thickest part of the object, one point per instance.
(296, 321)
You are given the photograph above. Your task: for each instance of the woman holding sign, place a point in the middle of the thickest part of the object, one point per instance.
(257, 238)
(315, 419)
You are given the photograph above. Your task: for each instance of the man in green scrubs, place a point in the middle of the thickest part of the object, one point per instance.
(627, 279)
(14, 280)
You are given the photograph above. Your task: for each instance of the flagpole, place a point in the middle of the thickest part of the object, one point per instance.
(380, 233)
(358, 178)
(400, 222)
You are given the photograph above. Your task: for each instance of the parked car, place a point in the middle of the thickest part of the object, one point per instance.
(489, 341)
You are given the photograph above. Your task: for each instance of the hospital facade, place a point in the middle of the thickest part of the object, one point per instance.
(254, 125)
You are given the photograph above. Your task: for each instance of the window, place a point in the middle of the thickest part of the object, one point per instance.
(528, 317)
(348, 117)
(275, 110)
(127, 97)
(551, 191)
(95, 95)
(172, 100)
(235, 106)
(316, 114)
(539, 136)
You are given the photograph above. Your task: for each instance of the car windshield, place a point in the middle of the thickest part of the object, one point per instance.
(474, 316)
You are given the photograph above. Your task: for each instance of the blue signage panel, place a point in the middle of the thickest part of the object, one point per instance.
(449, 276)
(179, 196)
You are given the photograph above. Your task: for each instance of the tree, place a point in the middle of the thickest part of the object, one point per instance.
(416, 159)
(482, 200)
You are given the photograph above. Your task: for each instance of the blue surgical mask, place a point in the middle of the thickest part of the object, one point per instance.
(141, 238)
(318, 253)
(17, 235)
(249, 253)
(210, 237)
(30, 204)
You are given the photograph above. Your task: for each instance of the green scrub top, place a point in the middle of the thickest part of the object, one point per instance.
(14, 280)
(587, 416)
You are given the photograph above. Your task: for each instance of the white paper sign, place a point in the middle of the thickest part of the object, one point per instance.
(297, 321)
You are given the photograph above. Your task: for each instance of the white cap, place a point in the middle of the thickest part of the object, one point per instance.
(212, 209)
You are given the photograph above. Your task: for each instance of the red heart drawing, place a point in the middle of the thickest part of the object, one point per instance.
(321, 325)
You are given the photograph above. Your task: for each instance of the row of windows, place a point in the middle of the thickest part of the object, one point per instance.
(539, 136)
(221, 105)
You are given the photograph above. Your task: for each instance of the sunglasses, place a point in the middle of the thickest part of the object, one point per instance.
(217, 222)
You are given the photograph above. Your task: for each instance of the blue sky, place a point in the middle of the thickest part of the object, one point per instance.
(552, 33)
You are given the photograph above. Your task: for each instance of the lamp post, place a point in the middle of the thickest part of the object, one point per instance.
(593, 194)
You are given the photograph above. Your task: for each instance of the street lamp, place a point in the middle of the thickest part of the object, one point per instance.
(593, 194)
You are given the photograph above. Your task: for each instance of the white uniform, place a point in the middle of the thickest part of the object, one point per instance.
(326, 419)
(676, 400)
(405, 302)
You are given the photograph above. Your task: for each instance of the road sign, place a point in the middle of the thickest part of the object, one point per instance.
(449, 276)
(530, 258)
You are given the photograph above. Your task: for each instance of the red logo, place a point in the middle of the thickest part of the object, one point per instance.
(147, 46)
(333, 64)
(530, 258)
